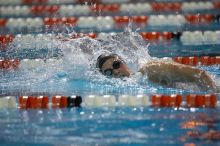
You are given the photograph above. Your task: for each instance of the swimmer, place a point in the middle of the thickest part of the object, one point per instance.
(161, 72)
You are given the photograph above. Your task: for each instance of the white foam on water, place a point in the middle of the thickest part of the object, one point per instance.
(78, 61)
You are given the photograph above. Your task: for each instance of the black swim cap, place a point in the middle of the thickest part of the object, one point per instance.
(103, 58)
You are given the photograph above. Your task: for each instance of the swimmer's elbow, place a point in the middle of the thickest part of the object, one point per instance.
(207, 80)
(218, 89)
(143, 69)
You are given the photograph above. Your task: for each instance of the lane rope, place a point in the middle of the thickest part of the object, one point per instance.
(156, 101)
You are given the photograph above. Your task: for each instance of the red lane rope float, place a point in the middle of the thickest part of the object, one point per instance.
(166, 36)
(187, 60)
(52, 21)
(7, 64)
(199, 19)
(5, 40)
(31, 102)
(192, 100)
(3, 22)
(204, 60)
(166, 6)
(217, 59)
(38, 10)
(126, 19)
(166, 100)
(139, 19)
(121, 19)
(208, 100)
(217, 5)
(70, 21)
(105, 8)
(151, 36)
(59, 101)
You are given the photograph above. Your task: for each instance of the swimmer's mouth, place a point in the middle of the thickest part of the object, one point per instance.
(116, 76)
(119, 76)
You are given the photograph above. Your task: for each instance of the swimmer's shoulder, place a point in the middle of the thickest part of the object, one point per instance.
(159, 65)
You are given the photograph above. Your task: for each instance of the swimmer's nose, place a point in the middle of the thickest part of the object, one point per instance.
(124, 70)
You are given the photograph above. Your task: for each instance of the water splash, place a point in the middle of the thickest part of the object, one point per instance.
(78, 59)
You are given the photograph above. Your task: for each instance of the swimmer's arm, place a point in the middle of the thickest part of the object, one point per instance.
(179, 72)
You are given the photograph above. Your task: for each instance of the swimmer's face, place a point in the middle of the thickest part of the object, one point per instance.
(115, 67)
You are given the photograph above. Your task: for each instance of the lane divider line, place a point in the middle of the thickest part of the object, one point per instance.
(108, 22)
(154, 101)
(31, 64)
(50, 8)
(185, 37)
(204, 60)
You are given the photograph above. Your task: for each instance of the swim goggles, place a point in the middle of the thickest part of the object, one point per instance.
(116, 64)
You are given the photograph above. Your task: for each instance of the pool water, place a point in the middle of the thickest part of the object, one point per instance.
(123, 125)
(107, 126)
(68, 67)
(54, 61)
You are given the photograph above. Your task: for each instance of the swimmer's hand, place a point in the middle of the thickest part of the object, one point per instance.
(168, 73)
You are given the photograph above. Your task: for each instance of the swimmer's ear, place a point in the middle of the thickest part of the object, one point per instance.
(102, 59)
